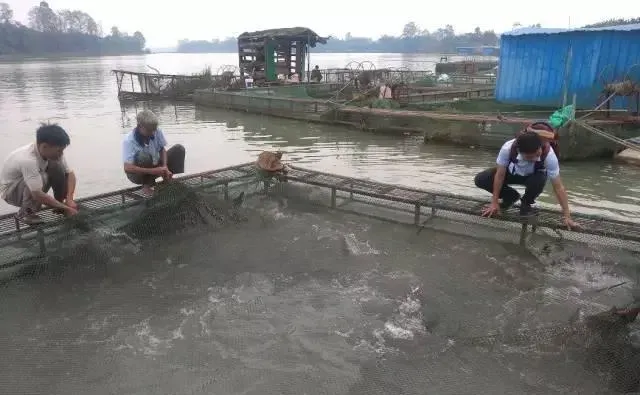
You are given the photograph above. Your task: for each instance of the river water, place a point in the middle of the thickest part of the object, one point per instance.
(80, 94)
(296, 301)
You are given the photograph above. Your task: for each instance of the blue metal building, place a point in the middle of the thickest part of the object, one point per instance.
(536, 63)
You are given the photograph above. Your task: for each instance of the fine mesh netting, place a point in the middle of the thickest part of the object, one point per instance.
(234, 291)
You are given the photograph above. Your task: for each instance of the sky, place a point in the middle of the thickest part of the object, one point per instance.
(163, 24)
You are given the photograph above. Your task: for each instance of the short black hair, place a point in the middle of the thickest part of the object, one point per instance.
(528, 142)
(52, 134)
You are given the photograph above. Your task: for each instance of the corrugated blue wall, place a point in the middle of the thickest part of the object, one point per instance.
(532, 66)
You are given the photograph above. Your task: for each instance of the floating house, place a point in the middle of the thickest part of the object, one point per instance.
(538, 66)
(265, 54)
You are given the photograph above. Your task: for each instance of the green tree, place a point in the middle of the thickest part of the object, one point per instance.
(43, 19)
(77, 22)
(410, 30)
(615, 22)
(140, 39)
(6, 13)
(66, 31)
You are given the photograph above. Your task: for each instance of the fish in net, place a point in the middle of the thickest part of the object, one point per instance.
(602, 341)
(176, 208)
(89, 238)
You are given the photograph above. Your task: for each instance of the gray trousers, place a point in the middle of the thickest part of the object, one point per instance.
(19, 194)
(175, 164)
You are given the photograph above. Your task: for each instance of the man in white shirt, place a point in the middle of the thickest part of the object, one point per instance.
(530, 161)
(30, 171)
(145, 156)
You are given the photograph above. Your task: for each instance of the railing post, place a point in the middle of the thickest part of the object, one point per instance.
(333, 197)
(41, 243)
(416, 214)
(523, 234)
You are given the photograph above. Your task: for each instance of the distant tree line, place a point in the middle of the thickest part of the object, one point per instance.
(615, 22)
(64, 31)
(412, 40)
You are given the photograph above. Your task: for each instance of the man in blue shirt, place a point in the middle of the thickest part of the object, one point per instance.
(145, 155)
(531, 162)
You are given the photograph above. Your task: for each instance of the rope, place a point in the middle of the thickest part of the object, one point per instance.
(608, 136)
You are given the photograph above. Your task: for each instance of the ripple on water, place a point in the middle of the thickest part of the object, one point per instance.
(329, 324)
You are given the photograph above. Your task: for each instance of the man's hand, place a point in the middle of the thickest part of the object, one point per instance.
(159, 171)
(569, 223)
(70, 211)
(492, 209)
(71, 203)
(168, 175)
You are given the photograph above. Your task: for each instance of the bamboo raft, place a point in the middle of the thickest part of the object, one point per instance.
(424, 205)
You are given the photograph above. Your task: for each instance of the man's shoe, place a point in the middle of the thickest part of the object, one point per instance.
(30, 219)
(527, 210)
(506, 204)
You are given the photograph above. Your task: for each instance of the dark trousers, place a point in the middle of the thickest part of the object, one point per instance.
(175, 164)
(534, 185)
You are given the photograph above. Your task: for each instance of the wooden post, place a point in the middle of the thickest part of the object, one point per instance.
(572, 124)
(41, 242)
(523, 234)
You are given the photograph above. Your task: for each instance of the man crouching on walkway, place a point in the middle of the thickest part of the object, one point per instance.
(529, 161)
(30, 171)
(145, 155)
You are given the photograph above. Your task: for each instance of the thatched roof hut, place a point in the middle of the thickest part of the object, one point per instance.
(265, 54)
(301, 34)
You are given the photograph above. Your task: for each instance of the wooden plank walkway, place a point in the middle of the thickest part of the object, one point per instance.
(419, 199)
(551, 219)
(10, 226)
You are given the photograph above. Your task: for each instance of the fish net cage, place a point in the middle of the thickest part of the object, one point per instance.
(274, 286)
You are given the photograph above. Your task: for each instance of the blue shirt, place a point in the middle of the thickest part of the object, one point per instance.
(524, 167)
(134, 143)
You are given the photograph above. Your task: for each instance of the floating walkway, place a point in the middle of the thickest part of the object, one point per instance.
(436, 204)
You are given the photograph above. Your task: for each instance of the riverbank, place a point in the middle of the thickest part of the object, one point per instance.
(61, 56)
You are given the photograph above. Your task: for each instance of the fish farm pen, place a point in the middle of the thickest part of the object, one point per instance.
(20, 241)
(134, 86)
(226, 282)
